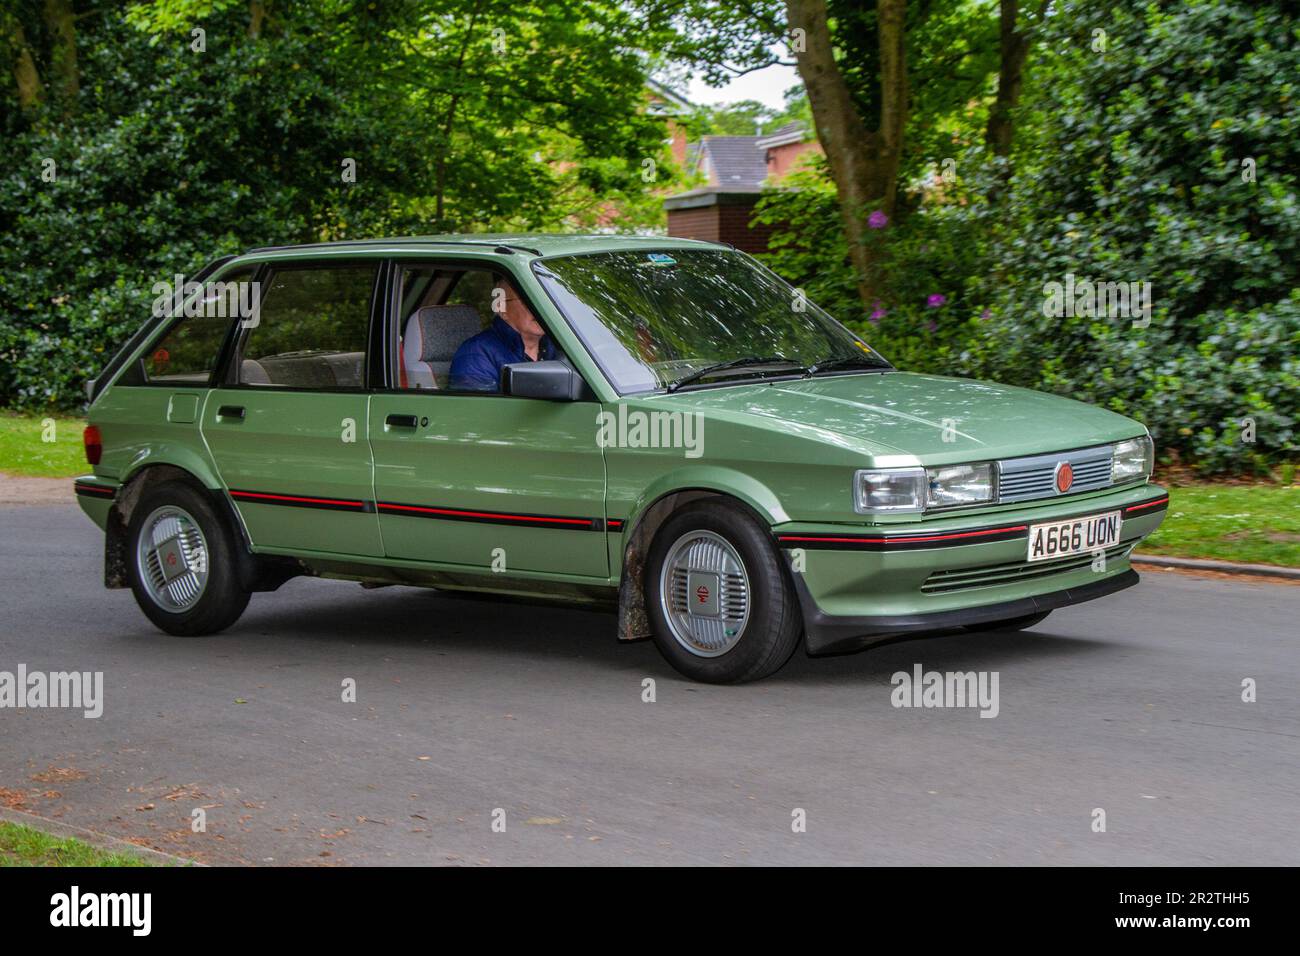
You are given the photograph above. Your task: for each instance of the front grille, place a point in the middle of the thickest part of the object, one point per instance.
(990, 574)
(1024, 479)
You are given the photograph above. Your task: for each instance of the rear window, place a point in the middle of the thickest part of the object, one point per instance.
(311, 330)
(188, 353)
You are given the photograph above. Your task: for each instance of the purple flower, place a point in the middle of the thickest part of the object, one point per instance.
(936, 300)
(877, 220)
(932, 325)
(877, 313)
(985, 315)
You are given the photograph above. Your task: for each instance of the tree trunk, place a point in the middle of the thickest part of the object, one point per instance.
(256, 15)
(863, 162)
(26, 79)
(1015, 48)
(64, 77)
(892, 15)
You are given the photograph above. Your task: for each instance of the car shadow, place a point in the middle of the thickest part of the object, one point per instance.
(484, 625)
(410, 617)
(953, 650)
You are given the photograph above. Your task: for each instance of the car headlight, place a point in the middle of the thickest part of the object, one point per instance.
(916, 489)
(1132, 459)
(954, 485)
(889, 490)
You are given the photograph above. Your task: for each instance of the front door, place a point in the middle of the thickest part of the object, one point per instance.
(478, 480)
(490, 482)
(288, 429)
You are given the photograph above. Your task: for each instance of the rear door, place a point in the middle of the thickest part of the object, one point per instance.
(157, 398)
(288, 428)
(488, 482)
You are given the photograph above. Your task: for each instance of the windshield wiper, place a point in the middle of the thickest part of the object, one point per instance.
(844, 361)
(733, 363)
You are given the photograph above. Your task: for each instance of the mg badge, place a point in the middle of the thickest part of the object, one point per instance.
(1064, 477)
(704, 587)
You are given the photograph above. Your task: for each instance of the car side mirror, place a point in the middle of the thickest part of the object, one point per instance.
(553, 380)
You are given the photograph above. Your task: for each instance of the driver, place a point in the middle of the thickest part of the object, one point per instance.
(515, 335)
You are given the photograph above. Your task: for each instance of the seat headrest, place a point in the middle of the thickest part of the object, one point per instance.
(252, 372)
(439, 330)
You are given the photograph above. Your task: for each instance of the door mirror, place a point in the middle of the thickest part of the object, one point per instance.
(553, 380)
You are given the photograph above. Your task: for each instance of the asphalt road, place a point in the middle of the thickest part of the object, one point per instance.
(1131, 705)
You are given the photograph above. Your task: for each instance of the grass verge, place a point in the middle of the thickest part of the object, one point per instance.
(1255, 524)
(22, 846)
(26, 451)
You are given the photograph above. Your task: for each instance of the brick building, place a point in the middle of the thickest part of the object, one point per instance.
(735, 170)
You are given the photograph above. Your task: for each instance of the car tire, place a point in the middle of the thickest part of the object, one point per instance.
(1011, 624)
(714, 552)
(181, 562)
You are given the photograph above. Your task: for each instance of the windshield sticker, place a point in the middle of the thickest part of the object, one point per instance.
(661, 259)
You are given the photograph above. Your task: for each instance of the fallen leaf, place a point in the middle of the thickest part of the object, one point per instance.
(53, 774)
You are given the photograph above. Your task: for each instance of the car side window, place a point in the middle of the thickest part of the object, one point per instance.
(474, 288)
(441, 309)
(311, 329)
(188, 353)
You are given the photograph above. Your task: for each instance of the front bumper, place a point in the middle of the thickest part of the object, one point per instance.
(861, 585)
(828, 634)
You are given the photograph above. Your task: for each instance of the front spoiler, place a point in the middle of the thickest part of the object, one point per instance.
(830, 634)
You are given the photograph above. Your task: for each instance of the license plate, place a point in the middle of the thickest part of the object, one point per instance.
(1060, 539)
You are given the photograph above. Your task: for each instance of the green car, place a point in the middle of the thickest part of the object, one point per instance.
(662, 427)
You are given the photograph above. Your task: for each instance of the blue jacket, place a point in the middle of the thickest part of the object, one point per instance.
(477, 364)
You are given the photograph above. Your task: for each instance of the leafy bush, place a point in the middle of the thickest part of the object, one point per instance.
(1141, 171)
(142, 191)
(169, 156)
(1170, 157)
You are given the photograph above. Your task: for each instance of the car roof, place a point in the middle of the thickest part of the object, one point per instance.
(529, 244)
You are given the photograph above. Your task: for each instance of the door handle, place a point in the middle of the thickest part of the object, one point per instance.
(231, 411)
(402, 421)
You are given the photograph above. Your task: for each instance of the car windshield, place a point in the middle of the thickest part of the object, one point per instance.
(651, 319)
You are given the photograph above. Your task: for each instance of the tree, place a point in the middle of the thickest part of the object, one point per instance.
(883, 79)
(1013, 44)
(65, 80)
(742, 118)
(27, 82)
(292, 122)
(863, 160)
